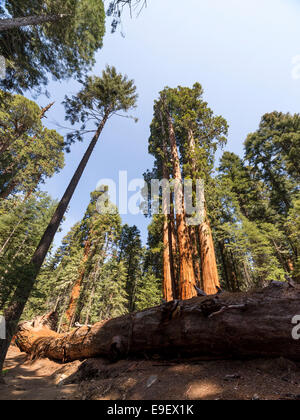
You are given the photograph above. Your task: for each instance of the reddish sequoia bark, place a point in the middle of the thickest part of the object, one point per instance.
(173, 253)
(75, 294)
(169, 281)
(257, 324)
(167, 284)
(194, 238)
(196, 256)
(209, 267)
(187, 276)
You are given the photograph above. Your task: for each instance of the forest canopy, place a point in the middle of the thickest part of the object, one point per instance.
(105, 287)
(63, 46)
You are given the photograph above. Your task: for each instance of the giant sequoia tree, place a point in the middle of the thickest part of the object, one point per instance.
(250, 235)
(99, 99)
(162, 142)
(199, 134)
(184, 138)
(59, 37)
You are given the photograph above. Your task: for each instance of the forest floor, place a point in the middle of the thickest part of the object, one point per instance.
(96, 379)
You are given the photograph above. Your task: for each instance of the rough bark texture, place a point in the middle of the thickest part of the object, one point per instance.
(187, 275)
(75, 293)
(169, 281)
(196, 257)
(210, 275)
(209, 269)
(8, 24)
(173, 255)
(257, 324)
(167, 284)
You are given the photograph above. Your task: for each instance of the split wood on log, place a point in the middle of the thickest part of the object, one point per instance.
(256, 324)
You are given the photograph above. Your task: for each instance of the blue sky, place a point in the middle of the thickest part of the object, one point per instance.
(241, 51)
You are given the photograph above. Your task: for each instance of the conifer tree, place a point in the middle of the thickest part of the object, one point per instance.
(57, 37)
(100, 99)
(199, 134)
(272, 152)
(21, 225)
(149, 292)
(184, 118)
(255, 240)
(110, 298)
(99, 234)
(130, 253)
(154, 261)
(29, 152)
(159, 148)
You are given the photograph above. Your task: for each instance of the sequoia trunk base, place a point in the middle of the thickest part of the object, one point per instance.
(244, 325)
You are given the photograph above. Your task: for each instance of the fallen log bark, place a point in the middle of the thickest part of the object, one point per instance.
(257, 324)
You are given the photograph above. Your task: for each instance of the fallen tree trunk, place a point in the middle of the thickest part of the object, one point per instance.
(257, 324)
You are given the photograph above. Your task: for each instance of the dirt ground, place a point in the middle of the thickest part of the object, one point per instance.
(96, 379)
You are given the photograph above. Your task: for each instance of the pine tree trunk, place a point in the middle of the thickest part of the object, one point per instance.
(89, 307)
(8, 24)
(187, 280)
(235, 274)
(248, 281)
(61, 318)
(226, 269)
(75, 293)
(242, 325)
(92, 286)
(281, 257)
(10, 237)
(31, 271)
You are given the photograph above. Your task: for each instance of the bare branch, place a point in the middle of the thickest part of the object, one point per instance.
(227, 308)
(116, 8)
